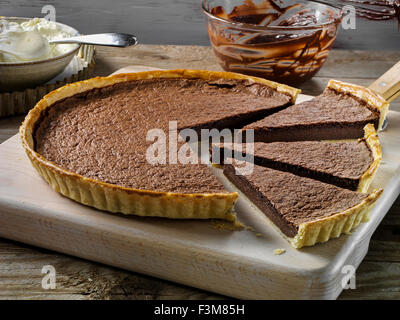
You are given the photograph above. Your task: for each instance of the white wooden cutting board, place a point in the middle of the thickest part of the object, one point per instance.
(239, 264)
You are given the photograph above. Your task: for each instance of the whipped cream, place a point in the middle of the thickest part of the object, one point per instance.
(29, 40)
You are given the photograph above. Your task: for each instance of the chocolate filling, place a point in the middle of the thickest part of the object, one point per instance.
(340, 163)
(288, 57)
(289, 200)
(332, 115)
(102, 133)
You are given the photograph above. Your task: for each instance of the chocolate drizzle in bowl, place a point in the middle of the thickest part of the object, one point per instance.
(267, 13)
(282, 41)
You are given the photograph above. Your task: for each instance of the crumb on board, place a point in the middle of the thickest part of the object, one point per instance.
(227, 225)
(278, 252)
(232, 226)
(249, 228)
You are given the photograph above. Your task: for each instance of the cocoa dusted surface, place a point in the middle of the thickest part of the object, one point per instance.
(331, 115)
(290, 200)
(344, 159)
(339, 163)
(101, 134)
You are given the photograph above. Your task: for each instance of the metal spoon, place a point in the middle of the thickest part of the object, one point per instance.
(374, 10)
(101, 39)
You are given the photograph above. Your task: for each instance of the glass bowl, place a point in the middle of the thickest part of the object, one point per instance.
(283, 41)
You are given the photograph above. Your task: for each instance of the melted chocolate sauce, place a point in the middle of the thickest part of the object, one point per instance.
(288, 57)
(283, 56)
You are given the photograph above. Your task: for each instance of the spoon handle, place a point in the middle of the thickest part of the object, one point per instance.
(101, 39)
(374, 10)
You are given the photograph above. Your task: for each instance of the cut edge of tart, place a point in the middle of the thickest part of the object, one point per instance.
(371, 140)
(374, 101)
(114, 198)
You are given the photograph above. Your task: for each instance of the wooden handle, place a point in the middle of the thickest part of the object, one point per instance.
(388, 86)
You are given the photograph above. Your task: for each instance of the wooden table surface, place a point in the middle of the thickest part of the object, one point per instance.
(180, 22)
(378, 276)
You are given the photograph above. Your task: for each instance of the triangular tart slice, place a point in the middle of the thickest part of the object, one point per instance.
(340, 112)
(306, 211)
(349, 164)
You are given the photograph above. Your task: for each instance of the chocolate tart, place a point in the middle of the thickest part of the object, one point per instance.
(340, 112)
(349, 164)
(89, 139)
(305, 211)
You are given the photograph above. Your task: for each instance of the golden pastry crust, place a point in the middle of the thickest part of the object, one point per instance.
(322, 230)
(374, 101)
(115, 198)
(372, 140)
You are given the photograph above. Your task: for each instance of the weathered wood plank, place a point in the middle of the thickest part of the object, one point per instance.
(20, 278)
(352, 64)
(179, 22)
(384, 250)
(376, 280)
(342, 65)
(9, 127)
(166, 57)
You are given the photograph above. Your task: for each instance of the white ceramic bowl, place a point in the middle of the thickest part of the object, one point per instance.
(23, 75)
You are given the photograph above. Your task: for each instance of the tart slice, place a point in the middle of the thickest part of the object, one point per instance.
(306, 211)
(340, 112)
(110, 143)
(349, 164)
